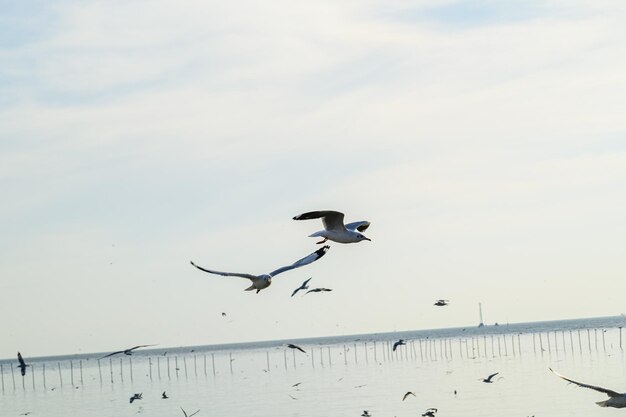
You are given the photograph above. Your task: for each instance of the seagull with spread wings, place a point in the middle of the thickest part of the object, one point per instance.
(616, 399)
(489, 379)
(400, 342)
(334, 229)
(262, 281)
(304, 286)
(126, 351)
(292, 346)
(318, 290)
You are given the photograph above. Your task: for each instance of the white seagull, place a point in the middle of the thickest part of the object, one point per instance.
(304, 286)
(334, 229)
(262, 281)
(616, 400)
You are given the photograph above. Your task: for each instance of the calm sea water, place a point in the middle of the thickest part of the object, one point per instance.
(341, 376)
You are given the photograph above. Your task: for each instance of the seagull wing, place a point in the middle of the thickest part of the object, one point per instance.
(332, 220)
(20, 359)
(360, 226)
(301, 287)
(304, 261)
(111, 354)
(140, 346)
(225, 274)
(608, 392)
(491, 376)
(295, 291)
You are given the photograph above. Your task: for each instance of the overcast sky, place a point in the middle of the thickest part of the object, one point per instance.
(484, 140)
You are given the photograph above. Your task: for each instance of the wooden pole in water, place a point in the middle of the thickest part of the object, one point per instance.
(130, 364)
(121, 370)
(2, 376)
(23, 387)
(294, 358)
(80, 364)
(267, 358)
(322, 356)
(72, 372)
(534, 345)
(195, 365)
(365, 348)
(499, 352)
(32, 372)
(176, 369)
(519, 344)
(548, 339)
(603, 341)
(620, 337)
(595, 337)
(230, 360)
(13, 377)
(513, 344)
(375, 356)
(168, 368)
(285, 355)
(563, 337)
(60, 376)
(355, 356)
(43, 371)
(213, 362)
(185, 365)
(345, 355)
(204, 361)
(159, 366)
(330, 363)
(571, 341)
(99, 372)
(150, 367)
(540, 342)
(110, 367)
(312, 357)
(421, 351)
(556, 343)
(589, 340)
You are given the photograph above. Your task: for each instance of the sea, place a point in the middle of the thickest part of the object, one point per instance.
(340, 376)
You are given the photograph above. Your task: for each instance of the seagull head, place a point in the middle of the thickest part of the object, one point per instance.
(361, 237)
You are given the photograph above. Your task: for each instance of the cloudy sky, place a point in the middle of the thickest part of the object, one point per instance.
(484, 140)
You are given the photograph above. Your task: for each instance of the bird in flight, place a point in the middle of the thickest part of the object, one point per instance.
(303, 286)
(398, 343)
(489, 379)
(126, 351)
(318, 290)
(407, 394)
(616, 399)
(262, 281)
(192, 414)
(334, 229)
(164, 396)
(292, 346)
(22, 364)
(136, 397)
(430, 412)
(441, 303)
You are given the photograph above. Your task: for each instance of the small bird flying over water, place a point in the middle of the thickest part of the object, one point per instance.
(262, 281)
(318, 290)
(292, 346)
(442, 303)
(398, 343)
(126, 351)
(407, 394)
(164, 396)
(366, 413)
(136, 397)
(616, 399)
(489, 379)
(22, 364)
(430, 412)
(303, 286)
(334, 229)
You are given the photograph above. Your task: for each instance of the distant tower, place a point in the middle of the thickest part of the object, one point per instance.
(480, 314)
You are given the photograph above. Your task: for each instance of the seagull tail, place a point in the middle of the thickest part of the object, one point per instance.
(603, 403)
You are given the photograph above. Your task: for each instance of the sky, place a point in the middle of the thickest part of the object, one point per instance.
(485, 141)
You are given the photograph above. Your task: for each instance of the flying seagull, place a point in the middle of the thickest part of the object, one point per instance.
(192, 414)
(616, 399)
(295, 347)
(126, 351)
(398, 343)
(22, 364)
(366, 414)
(136, 397)
(318, 290)
(407, 394)
(334, 229)
(262, 281)
(489, 379)
(441, 303)
(303, 286)
(430, 412)
(164, 396)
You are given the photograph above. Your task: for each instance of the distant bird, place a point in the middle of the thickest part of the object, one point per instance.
(292, 397)
(223, 314)
(262, 281)
(616, 400)
(303, 286)
(400, 342)
(22, 364)
(334, 229)
(442, 303)
(164, 396)
(407, 394)
(430, 412)
(295, 347)
(126, 351)
(489, 379)
(136, 397)
(185, 413)
(318, 290)
(296, 384)
(366, 414)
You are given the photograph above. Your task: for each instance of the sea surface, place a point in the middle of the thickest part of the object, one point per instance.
(339, 376)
